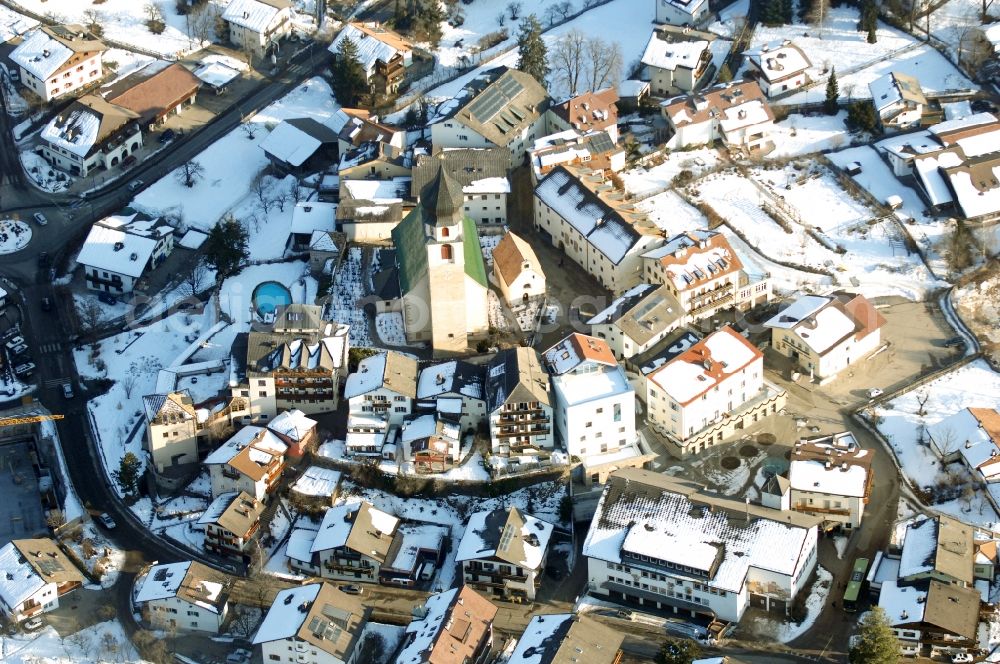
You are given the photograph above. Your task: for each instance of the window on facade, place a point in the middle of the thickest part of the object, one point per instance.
(446, 253)
(445, 232)
(618, 412)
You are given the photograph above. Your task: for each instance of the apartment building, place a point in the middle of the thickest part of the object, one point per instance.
(56, 60)
(638, 319)
(258, 25)
(441, 384)
(184, 597)
(735, 113)
(251, 461)
(34, 574)
(562, 637)
(451, 626)
(231, 521)
(779, 67)
(518, 403)
(481, 173)
(831, 477)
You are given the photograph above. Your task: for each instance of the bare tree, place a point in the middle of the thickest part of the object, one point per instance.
(296, 192)
(514, 9)
(248, 52)
(90, 314)
(153, 12)
(973, 49)
(984, 13)
(109, 646)
(190, 172)
(567, 59)
(922, 397)
(55, 520)
(817, 13)
(565, 8)
(261, 188)
(194, 280)
(501, 18)
(249, 128)
(92, 21)
(946, 440)
(129, 380)
(605, 62)
(244, 620)
(551, 15)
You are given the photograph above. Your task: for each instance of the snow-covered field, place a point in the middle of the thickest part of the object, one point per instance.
(880, 267)
(802, 134)
(231, 164)
(347, 291)
(643, 181)
(99, 644)
(13, 24)
(838, 44)
(901, 424)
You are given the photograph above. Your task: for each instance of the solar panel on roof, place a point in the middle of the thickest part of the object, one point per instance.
(510, 86)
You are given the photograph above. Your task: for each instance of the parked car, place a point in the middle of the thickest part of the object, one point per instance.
(18, 349)
(874, 392)
(47, 304)
(350, 589)
(961, 658)
(43, 259)
(135, 185)
(40, 219)
(25, 369)
(107, 521)
(238, 656)
(168, 135)
(954, 342)
(67, 391)
(128, 162)
(14, 342)
(11, 333)
(31, 624)
(107, 298)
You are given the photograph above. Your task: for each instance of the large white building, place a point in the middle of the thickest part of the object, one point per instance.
(735, 113)
(451, 381)
(258, 25)
(594, 405)
(677, 59)
(122, 248)
(682, 12)
(56, 60)
(312, 624)
(502, 108)
(379, 396)
(659, 542)
(823, 335)
(581, 214)
(183, 597)
(482, 174)
(705, 394)
(503, 553)
(831, 477)
(34, 574)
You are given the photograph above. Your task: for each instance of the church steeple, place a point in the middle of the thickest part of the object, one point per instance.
(443, 200)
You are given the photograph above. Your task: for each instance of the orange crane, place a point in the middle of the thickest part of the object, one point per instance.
(28, 419)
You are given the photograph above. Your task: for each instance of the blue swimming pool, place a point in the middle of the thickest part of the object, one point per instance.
(268, 296)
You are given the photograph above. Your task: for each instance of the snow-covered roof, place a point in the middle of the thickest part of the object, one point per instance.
(670, 55)
(584, 369)
(390, 370)
(192, 239)
(300, 543)
(824, 322)
(902, 604)
(603, 226)
(743, 115)
(452, 626)
(284, 618)
(343, 525)
(255, 15)
(705, 365)
(293, 424)
(162, 581)
(541, 630)
(510, 535)
(116, 245)
(46, 50)
(976, 183)
(18, 580)
(215, 74)
(487, 186)
(927, 170)
(249, 436)
(642, 513)
(453, 377)
(377, 191)
(317, 481)
(290, 144)
(838, 467)
(632, 88)
(411, 540)
(373, 45)
(778, 60)
(696, 257)
(938, 544)
(311, 216)
(974, 433)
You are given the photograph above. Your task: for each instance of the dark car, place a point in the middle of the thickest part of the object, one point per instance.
(168, 135)
(982, 106)
(954, 342)
(43, 259)
(350, 590)
(47, 304)
(128, 162)
(107, 298)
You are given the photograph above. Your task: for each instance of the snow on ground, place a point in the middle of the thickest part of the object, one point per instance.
(474, 469)
(390, 328)
(42, 174)
(878, 179)
(632, 21)
(731, 18)
(347, 291)
(899, 422)
(232, 163)
(646, 181)
(788, 631)
(103, 642)
(480, 18)
(814, 199)
(105, 560)
(14, 235)
(124, 21)
(133, 359)
(672, 214)
(952, 23)
(391, 636)
(802, 134)
(89, 308)
(839, 44)
(119, 63)
(13, 24)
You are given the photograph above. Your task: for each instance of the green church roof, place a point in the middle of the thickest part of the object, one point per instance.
(411, 249)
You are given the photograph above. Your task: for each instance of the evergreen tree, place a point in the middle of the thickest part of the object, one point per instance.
(226, 246)
(876, 642)
(872, 37)
(678, 651)
(532, 57)
(349, 80)
(775, 12)
(832, 93)
(725, 75)
(861, 116)
(127, 474)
